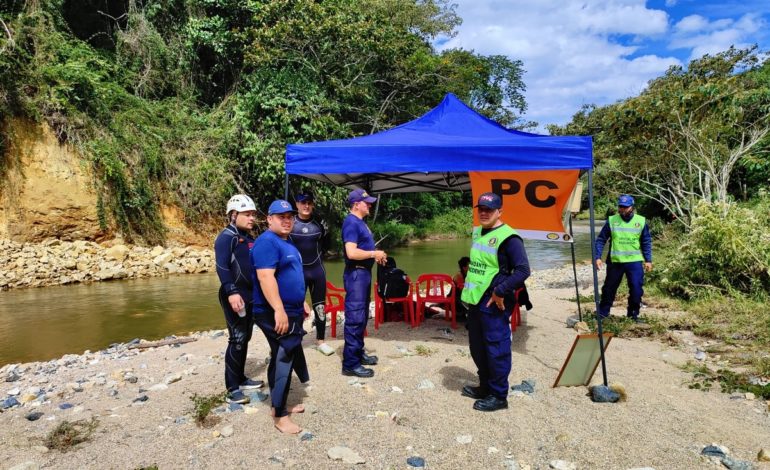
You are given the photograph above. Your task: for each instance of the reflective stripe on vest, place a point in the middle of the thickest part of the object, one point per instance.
(626, 239)
(483, 267)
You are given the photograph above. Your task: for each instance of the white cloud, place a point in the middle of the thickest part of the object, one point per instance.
(702, 36)
(691, 23)
(569, 49)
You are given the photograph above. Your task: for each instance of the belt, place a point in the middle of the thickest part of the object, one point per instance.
(357, 266)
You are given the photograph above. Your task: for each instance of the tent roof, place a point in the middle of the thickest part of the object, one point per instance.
(435, 152)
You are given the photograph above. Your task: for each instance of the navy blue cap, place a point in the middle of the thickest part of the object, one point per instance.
(279, 206)
(625, 201)
(490, 200)
(302, 197)
(359, 195)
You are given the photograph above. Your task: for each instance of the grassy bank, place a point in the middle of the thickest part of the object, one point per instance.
(716, 277)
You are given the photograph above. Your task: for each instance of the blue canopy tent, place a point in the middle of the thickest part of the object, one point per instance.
(435, 152)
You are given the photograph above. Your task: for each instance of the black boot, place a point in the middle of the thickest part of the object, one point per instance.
(490, 403)
(475, 392)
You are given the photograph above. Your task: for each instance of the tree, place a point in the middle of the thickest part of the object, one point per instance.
(681, 140)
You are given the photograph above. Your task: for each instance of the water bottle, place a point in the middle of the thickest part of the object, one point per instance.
(242, 311)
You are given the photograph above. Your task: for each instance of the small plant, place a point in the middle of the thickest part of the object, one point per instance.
(69, 434)
(729, 381)
(202, 406)
(424, 350)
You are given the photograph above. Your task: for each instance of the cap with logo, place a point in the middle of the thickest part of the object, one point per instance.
(303, 197)
(490, 200)
(359, 195)
(625, 201)
(279, 206)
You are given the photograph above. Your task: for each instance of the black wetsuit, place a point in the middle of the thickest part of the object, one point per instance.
(309, 236)
(234, 268)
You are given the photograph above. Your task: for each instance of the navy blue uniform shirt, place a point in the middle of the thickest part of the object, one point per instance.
(356, 231)
(273, 252)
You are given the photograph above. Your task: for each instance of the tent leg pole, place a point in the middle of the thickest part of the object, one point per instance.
(286, 186)
(574, 269)
(596, 275)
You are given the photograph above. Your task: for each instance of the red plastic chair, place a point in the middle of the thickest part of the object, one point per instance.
(335, 303)
(407, 304)
(436, 289)
(516, 312)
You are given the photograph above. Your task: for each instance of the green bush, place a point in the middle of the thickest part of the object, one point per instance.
(457, 222)
(727, 249)
(390, 234)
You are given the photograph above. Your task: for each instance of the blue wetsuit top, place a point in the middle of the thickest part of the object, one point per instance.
(308, 236)
(605, 235)
(273, 252)
(234, 268)
(355, 230)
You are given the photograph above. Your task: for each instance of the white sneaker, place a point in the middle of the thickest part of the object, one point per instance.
(325, 349)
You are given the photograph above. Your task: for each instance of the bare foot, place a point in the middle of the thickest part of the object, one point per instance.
(300, 408)
(286, 425)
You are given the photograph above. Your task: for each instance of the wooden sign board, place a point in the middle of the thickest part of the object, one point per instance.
(582, 360)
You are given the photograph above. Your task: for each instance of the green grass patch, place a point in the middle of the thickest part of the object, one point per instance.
(202, 407)
(424, 350)
(68, 434)
(729, 381)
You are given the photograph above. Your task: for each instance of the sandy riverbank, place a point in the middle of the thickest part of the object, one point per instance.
(411, 408)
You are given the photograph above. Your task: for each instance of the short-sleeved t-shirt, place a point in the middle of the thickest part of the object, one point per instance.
(273, 252)
(355, 230)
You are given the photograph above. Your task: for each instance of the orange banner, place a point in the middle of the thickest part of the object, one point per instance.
(533, 201)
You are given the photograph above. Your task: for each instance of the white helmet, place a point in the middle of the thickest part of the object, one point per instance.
(240, 203)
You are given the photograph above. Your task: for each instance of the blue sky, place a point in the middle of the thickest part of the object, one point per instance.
(599, 52)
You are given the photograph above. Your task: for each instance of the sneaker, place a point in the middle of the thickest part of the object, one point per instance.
(250, 384)
(638, 320)
(237, 396)
(325, 349)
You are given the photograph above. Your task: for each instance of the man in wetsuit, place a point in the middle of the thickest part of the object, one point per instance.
(279, 309)
(231, 250)
(360, 256)
(498, 267)
(309, 236)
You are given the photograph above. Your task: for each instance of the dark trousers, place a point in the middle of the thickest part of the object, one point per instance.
(286, 355)
(358, 284)
(315, 280)
(634, 273)
(489, 337)
(239, 330)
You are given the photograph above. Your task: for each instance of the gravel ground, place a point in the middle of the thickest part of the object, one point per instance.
(389, 418)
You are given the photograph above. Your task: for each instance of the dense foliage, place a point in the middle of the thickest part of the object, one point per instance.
(188, 101)
(695, 134)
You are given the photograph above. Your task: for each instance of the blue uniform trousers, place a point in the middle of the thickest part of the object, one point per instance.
(358, 286)
(489, 337)
(634, 272)
(286, 355)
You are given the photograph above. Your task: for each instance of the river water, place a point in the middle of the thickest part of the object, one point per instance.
(48, 322)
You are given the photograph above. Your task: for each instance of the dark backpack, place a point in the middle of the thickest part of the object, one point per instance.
(391, 281)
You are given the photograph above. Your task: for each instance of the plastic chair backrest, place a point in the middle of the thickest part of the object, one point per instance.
(335, 298)
(436, 287)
